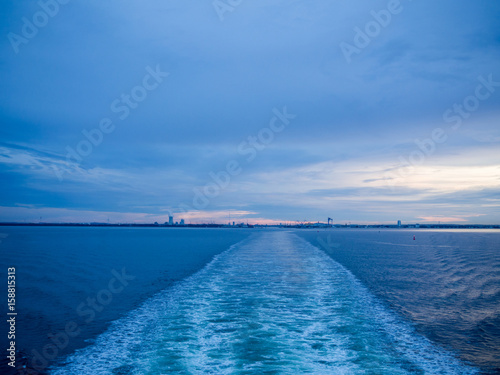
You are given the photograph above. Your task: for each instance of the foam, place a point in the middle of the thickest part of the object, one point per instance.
(270, 303)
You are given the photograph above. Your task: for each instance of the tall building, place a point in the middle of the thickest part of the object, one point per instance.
(399, 223)
(182, 222)
(170, 220)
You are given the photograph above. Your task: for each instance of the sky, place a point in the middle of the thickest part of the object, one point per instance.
(260, 111)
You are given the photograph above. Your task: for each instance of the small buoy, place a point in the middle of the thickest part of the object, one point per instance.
(413, 238)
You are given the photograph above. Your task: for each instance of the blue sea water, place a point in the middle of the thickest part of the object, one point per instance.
(261, 301)
(59, 268)
(446, 282)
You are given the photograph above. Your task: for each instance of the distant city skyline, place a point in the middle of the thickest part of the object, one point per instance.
(271, 111)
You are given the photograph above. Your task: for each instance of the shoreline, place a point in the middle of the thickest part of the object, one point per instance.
(297, 226)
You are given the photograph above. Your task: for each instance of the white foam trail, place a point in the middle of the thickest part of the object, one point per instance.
(271, 303)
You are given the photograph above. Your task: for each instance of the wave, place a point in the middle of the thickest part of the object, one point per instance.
(273, 304)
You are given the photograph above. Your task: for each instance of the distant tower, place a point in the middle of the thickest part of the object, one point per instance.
(170, 220)
(399, 223)
(182, 222)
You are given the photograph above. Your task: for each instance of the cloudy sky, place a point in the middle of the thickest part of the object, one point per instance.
(275, 110)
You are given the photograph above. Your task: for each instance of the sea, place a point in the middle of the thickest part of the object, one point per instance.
(114, 300)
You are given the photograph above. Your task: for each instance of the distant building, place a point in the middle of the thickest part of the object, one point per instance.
(399, 223)
(182, 222)
(170, 220)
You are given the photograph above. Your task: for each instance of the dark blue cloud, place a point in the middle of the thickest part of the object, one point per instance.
(355, 120)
